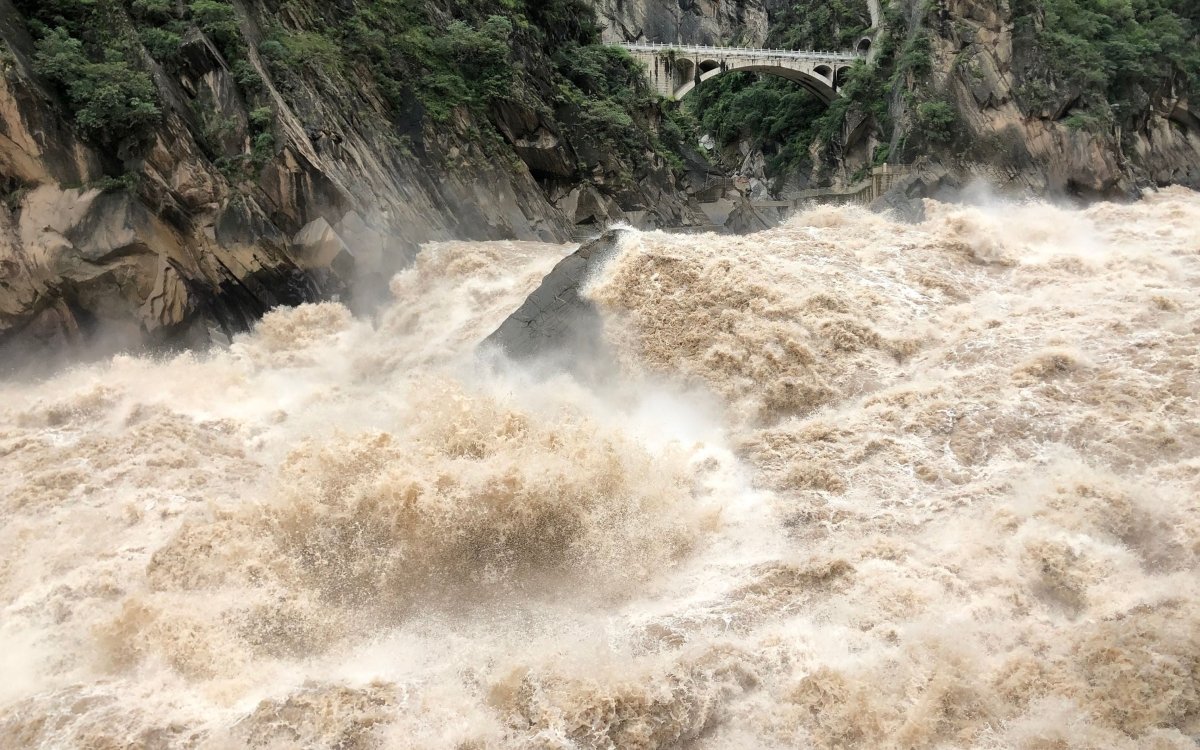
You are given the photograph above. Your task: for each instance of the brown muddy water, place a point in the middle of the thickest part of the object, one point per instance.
(858, 484)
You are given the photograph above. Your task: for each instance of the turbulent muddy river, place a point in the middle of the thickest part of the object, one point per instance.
(856, 483)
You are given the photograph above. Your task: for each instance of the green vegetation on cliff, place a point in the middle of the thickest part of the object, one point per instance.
(1095, 64)
(108, 94)
(828, 25)
(429, 62)
(1099, 61)
(544, 56)
(96, 66)
(773, 113)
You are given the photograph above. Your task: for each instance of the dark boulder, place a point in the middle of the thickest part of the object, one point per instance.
(557, 326)
(906, 199)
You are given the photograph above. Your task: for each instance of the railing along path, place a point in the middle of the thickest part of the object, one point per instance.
(703, 50)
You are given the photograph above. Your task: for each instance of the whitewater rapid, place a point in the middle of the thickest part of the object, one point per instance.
(858, 483)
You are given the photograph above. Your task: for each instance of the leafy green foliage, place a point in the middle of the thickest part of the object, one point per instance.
(827, 25)
(937, 121)
(542, 54)
(110, 98)
(480, 55)
(779, 116)
(217, 19)
(123, 182)
(303, 49)
(430, 62)
(93, 51)
(262, 118)
(161, 43)
(1097, 55)
(154, 10)
(75, 16)
(917, 54)
(465, 62)
(607, 87)
(865, 89)
(1087, 120)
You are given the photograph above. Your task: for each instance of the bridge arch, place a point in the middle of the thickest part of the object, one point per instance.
(821, 85)
(840, 77)
(684, 71)
(675, 71)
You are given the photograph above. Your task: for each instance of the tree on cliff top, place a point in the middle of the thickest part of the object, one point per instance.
(111, 100)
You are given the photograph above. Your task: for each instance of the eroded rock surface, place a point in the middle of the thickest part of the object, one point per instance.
(712, 22)
(208, 228)
(557, 325)
(981, 63)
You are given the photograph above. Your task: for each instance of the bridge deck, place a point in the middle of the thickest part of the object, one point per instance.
(704, 51)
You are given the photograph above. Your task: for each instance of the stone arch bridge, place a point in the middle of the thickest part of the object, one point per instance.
(674, 70)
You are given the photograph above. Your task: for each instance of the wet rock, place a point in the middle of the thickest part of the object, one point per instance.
(318, 246)
(586, 205)
(906, 198)
(534, 142)
(557, 325)
(745, 218)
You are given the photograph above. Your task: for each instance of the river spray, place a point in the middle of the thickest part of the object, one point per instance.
(858, 484)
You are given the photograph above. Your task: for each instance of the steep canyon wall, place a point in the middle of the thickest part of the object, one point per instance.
(972, 89)
(239, 197)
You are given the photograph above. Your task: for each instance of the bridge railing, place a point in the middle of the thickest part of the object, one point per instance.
(696, 49)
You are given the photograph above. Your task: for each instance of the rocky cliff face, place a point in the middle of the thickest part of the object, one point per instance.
(971, 55)
(715, 22)
(981, 64)
(983, 59)
(204, 231)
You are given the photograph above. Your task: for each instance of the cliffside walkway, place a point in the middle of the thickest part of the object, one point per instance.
(717, 207)
(862, 193)
(673, 70)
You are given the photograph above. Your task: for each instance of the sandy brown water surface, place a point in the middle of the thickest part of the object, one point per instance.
(859, 484)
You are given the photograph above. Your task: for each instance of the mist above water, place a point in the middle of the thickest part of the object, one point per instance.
(857, 484)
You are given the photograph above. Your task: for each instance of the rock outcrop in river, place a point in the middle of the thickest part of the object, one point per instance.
(557, 325)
